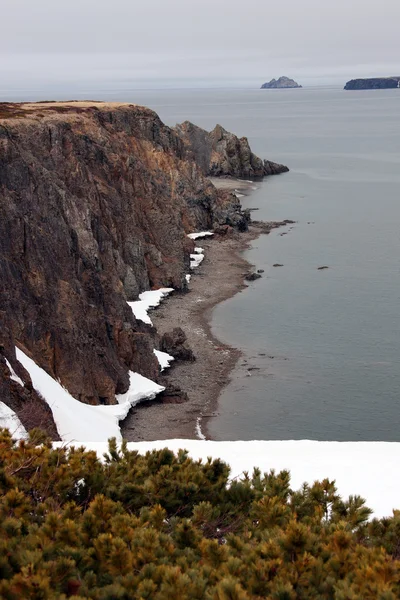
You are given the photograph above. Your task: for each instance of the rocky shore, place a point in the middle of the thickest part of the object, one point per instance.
(193, 387)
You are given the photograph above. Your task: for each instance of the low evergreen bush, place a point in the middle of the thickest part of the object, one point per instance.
(166, 527)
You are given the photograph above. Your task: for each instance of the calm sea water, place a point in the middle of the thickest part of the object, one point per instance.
(334, 335)
(321, 348)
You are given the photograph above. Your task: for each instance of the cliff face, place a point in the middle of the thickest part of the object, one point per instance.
(95, 204)
(374, 83)
(220, 153)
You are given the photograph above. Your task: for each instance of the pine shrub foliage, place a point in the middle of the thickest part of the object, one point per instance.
(166, 527)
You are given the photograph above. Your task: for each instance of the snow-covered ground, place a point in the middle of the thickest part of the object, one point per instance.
(367, 469)
(10, 421)
(147, 301)
(79, 422)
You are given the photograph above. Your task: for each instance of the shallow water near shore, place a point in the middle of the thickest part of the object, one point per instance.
(330, 337)
(321, 348)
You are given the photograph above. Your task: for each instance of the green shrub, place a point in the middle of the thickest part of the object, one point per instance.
(163, 527)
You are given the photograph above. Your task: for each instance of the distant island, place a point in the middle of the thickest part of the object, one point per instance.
(281, 83)
(373, 83)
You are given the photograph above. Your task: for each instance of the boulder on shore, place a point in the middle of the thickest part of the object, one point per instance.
(174, 343)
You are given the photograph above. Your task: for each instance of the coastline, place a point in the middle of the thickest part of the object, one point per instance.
(219, 277)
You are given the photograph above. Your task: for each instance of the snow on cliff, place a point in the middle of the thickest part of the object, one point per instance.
(148, 300)
(200, 234)
(13, 375)
(79, 422)
(10, 421)
(364, 468)
(164, 359)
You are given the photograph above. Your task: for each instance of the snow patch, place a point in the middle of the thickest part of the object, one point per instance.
(148, 300)
(196, 260)
(363, 468)
(10, 421)
(199, 432)
(199, 250)
(164, 359)
(79, 422)
(13, 375)
(200, 234)
(188, 278)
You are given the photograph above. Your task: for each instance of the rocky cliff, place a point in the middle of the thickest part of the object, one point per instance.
(96, 201)
(220, 153)
(373, 83)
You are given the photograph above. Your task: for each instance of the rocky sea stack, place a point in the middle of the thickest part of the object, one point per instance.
(373, 83)
(281, 83)
(96, 201)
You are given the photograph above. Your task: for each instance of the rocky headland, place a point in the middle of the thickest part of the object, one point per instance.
(281, 83)
(373, 83)
(97, 200)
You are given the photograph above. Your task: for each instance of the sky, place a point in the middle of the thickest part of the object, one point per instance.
(195, 43)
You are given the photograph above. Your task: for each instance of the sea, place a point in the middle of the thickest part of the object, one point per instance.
(321, 347)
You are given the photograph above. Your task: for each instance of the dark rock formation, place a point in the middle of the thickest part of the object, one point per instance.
(281, 83)
(322, 268)
(174, 343)
(221, 154)
(268, 226)
(252, 276)
(277, 265)
(373, 83)
(96, 202)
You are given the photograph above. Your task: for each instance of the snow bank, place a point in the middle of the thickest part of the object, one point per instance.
(200, 234)
(364, 468)
(10, 421)
(196, 260)
(80, 422)
(164, 359)
(148, 300)
(13, 375)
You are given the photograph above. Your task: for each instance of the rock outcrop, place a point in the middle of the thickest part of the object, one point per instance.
(175, 343)
(281, 83)
(221, 154)
(373, 83)
(96, 201)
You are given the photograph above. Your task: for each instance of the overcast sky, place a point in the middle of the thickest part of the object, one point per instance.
(157, 43)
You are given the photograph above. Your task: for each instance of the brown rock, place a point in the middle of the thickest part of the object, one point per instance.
(174, 343)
